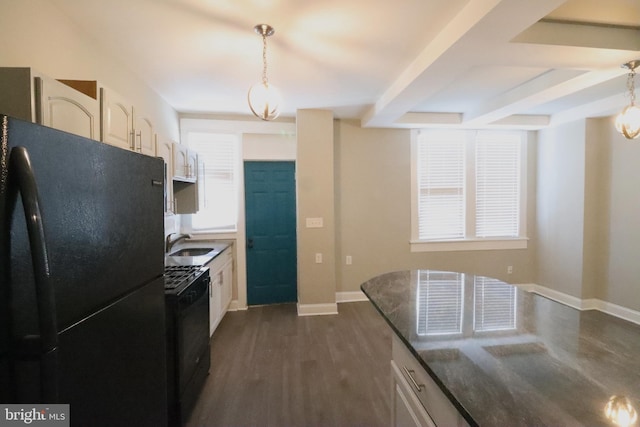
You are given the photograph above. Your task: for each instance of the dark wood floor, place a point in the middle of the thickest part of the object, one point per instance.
(270, 367)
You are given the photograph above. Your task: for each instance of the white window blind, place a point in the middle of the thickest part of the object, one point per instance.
(218, 154)
(468, 186)
(497, 184)
(441, 177)
(494, 305)
(439, 302)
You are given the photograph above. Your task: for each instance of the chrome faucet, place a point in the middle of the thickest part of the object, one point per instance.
(168, 244)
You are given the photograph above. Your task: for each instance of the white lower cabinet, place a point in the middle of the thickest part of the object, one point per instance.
(221, 273)
(407, 411)
(214, 302)
(417, 399)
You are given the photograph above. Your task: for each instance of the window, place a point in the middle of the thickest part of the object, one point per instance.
(218, 154)
(469, 190)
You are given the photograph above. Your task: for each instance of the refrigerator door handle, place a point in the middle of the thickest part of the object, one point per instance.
(21, 172)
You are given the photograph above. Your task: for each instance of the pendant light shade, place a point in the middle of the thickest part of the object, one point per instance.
(628, 121)
(264, 98)
(264, 101)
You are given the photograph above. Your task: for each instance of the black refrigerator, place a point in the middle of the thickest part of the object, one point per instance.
(82, 315)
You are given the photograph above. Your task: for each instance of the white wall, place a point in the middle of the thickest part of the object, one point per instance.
(33, 33)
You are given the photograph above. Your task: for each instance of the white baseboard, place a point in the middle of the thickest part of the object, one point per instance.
(584, 304)
(354, 296)
(317, 309)
(234, 305)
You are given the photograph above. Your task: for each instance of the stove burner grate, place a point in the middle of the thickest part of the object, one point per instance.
(176, 275)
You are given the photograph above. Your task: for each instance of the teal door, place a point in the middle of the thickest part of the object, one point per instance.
(270, 213)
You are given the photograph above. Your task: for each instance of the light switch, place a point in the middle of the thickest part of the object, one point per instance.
(314, 223)
(318, 258)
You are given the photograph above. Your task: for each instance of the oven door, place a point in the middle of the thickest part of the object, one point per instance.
(193, 331)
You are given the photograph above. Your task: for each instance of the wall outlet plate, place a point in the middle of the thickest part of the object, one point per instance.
(314, 223)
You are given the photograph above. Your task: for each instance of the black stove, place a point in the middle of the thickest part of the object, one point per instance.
(178, 276)
(187, 293)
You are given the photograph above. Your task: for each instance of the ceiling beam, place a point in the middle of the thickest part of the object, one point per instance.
(545, 88)
(581, 34)
(402, 95)
(601, 108)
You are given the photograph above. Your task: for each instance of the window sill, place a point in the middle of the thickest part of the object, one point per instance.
(469, 245)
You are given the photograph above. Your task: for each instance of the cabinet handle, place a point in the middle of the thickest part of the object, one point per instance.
(409, 373)
(139, 136)
(204, 187)
(132, 144)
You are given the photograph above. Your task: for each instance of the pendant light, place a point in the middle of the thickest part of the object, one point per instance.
(628, 121)
(264, 99)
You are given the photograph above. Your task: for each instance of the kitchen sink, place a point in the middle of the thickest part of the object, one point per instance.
(193, 252)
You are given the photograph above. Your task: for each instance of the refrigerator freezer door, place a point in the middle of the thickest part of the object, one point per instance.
(102, 210)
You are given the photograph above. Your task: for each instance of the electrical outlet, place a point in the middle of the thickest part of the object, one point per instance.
(348, 260)
(318, 258)
(509, 269)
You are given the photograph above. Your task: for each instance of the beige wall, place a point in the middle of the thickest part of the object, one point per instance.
(315, 199)
(560, 215)
(33, 33)
(622, 243)
(588, 212)
(373, 200)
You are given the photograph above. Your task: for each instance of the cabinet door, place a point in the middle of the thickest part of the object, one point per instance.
(214, 303)
(117, 120)
(227, 284)
(62, 107)
(180, 161)
(192, 164)
(407, 411)
(144, 140)
(164, 148)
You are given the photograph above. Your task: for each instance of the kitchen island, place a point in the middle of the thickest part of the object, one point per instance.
(490, 354)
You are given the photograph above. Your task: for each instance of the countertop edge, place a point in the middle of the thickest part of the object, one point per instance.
(465, 414)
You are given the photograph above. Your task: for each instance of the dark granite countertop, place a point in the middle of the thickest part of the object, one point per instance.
(508, 357)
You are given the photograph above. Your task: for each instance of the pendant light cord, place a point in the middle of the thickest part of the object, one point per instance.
(265, 81)
(631, 85)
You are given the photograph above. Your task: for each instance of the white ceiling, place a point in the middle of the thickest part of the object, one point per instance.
(408, 63)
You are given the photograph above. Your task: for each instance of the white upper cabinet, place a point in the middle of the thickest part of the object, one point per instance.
(164, 149)
(183, 163)
(117, 120)
(192, 164)
(65, 108)
(32, 96)
(144, 138)
(124, 126)
(179, 161)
